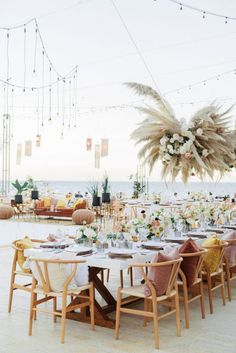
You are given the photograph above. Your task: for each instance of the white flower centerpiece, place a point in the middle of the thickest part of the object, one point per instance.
(87, 234)
(186, 218)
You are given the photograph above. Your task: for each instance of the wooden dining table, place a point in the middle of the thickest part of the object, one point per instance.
(97, 263)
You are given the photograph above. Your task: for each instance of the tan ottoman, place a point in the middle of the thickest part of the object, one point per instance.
(83, 216)
(6, 212)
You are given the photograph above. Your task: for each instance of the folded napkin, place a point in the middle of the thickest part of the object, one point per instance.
(197, 235)
(119, 256)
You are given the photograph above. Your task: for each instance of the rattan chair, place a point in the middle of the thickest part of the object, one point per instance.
(17, 272)
(170, 298)
(211, 278)
(196, 289)
(44, 288)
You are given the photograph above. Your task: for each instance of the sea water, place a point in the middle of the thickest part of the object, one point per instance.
(63, 187)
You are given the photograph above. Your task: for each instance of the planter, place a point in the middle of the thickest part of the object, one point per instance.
(34, 195)
(18, 199)
(106, 197)
(96, 201)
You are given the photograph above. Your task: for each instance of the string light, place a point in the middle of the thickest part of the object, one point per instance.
(202, 11)
(35, 50)
(24, 58)
(204, 82)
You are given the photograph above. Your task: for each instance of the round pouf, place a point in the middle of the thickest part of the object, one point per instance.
(83, 216)
(6, 212)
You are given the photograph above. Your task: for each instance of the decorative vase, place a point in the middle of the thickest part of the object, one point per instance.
(34, 195)
(106, 197)
(18, 199)
(96, 201)
(88, 242)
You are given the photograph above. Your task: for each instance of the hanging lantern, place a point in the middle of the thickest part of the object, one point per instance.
(28, 148)
(89, 144)
(38, 140)
(104, 147)
(97, 156)
(18, 153)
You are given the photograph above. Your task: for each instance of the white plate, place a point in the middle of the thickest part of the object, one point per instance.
(77, 249)
(122, 251)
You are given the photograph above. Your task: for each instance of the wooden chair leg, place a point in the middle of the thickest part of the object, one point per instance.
(131, 276)
(222, 287)
(186, 307)
(10, 297)
(121, 279)
(63, 317)
(91, 298)
(32, 306)
(118, 305)
(177, 316)
(202, 302)
(145, 308)
(155, 322)
(54, 309)
(228, 282)
(209, 287)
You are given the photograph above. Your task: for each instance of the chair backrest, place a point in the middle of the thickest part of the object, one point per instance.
(43, 268)
(19, 253)
(199, 256)
(173, 265)
(219, 250)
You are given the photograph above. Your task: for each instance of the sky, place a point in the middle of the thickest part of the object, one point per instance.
(179, 48)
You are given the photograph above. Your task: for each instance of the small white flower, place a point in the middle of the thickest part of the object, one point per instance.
(176, 137)
(163, 140)
(79, 234)
(172, 140)
(89, 233)
(205, 153)
(199, 131)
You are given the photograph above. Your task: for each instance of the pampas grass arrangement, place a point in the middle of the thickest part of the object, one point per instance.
(202, 147)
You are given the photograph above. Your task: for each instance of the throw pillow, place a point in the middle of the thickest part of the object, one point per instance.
(159, 276)
(189, 264)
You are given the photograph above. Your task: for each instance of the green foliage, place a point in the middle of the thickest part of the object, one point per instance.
(31, 184)
(105, 184)
(93, 189)
(20, 187)
(138, 187)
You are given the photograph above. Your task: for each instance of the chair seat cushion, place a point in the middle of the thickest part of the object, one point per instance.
(212, 257)
(189, 264)
(159, 276)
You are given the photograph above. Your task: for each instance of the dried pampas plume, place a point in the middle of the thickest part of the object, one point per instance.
(205, 146)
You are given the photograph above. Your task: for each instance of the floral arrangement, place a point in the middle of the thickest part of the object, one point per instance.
(157, 225)
(187, 217)
(86, 233)
(202, 147)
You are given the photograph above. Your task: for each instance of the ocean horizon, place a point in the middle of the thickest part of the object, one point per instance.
(63, 187)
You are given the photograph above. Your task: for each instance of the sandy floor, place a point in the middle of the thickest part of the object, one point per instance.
(215, 334)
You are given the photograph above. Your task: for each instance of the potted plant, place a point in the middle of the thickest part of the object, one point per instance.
(20, 188)
(138, 186)
(93, 190)
(105, 190)
(33, 187)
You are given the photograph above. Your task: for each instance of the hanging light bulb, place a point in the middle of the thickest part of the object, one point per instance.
(181, 7)
(62, 135)
(204, 15)
(226, 20)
